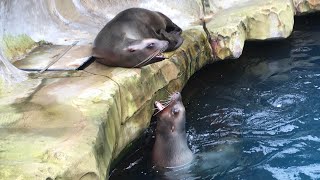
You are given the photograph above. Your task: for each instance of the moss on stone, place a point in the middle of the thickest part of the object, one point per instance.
(8, 115)
(15, 47)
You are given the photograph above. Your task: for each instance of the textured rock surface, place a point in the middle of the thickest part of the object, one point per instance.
(253, 20)
(71, 125)
(306, 6)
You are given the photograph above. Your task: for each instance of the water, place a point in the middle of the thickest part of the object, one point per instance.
(262, 111)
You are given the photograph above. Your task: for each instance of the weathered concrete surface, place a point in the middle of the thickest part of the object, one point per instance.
(71, 125)
(42, 132)
(55, 57)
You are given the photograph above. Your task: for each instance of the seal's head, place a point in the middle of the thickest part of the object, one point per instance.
(144, 51)
(132, 53)
(171, 117)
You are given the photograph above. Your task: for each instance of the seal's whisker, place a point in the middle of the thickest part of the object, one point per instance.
(156, 113)
(168, 100)
(167, 104)
(168, 92)
(165, 101)
(172, 94)
(152, 56)
(148, 58)
(144, 61)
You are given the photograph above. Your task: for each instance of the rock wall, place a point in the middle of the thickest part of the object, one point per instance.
(72, 124)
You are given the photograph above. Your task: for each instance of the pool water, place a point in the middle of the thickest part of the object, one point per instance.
(257, 117)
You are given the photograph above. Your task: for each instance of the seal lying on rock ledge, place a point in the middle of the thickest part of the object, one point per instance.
(171, 148)
(136, 37)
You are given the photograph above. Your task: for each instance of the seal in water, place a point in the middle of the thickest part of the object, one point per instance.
(170, 148)
(136, 37)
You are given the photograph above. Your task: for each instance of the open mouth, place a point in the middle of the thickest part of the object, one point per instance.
(159, 54)
(160, 107)
(156, 56)
(159, 57)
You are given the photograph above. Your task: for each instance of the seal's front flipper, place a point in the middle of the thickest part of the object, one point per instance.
(175, 40)
(171, 27)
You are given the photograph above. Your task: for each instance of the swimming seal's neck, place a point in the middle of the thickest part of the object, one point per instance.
(173, 150)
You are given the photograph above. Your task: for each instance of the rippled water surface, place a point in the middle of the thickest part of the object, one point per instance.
(257, 117)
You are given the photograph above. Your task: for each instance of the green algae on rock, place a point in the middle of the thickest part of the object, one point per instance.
(15, 47)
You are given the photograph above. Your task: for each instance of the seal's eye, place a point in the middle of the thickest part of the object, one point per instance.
(150, 46)
(175, 110)
(131, 50)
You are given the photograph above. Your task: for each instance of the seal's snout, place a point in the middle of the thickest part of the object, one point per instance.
(163, 45)
(176, 96)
